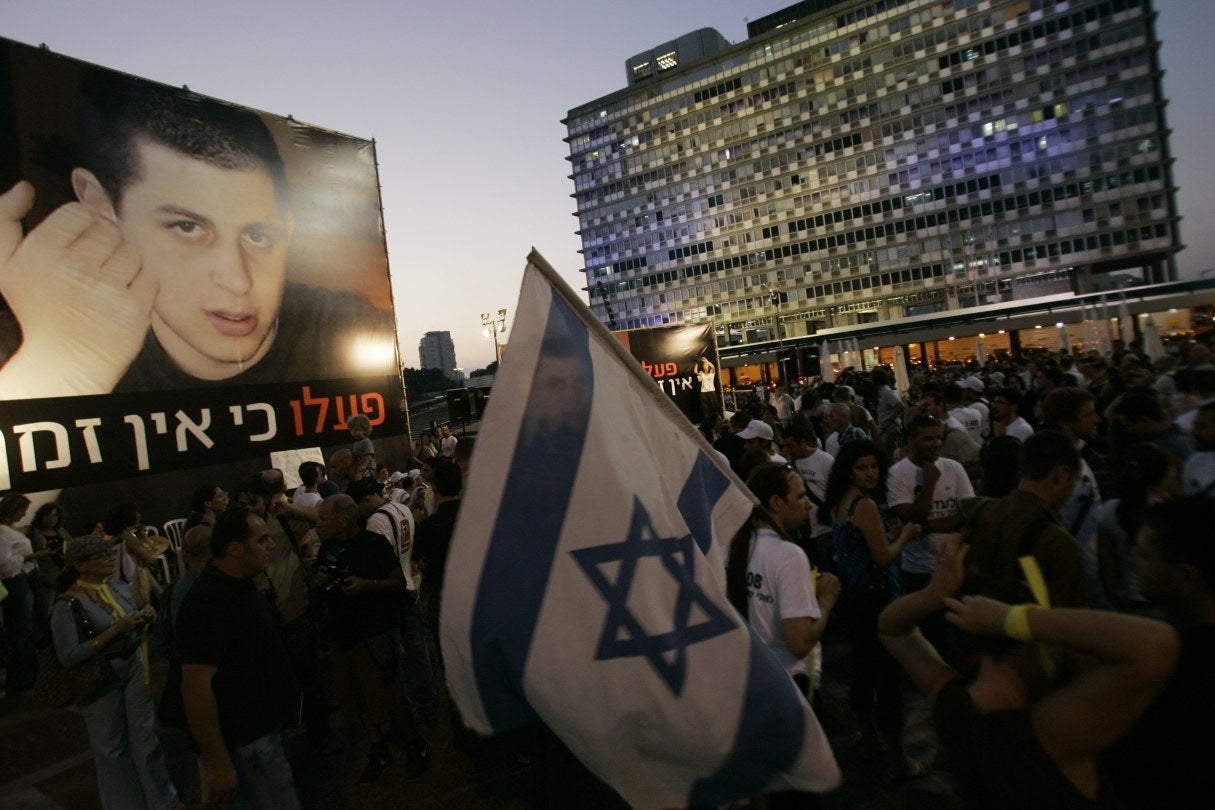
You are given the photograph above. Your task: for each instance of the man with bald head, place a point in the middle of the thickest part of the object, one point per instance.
(342, 469)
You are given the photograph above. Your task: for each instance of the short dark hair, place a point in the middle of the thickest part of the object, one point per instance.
(202, 493)
(924, 421)
(254, 485)
(1136, 405)
(120, 517)
(1180, 529)
(364, 487)
(1062, 406)
(799, 431)
(13, 504)
(1044, 451)
(752, 459)
(449, 478)
(309, 474)
(232, 526)
(1010, 395)
(116, 110)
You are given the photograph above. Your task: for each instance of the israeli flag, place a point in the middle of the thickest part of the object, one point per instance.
(585, 582)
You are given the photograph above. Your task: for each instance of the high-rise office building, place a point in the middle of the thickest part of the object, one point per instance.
(860, 161)
(436, 350)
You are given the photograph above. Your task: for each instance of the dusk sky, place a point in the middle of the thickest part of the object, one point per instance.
(465, 101)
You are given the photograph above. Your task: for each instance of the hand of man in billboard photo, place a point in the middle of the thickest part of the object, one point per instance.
(77, 291)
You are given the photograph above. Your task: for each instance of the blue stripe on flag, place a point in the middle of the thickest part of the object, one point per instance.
(704, 486)
(770, 734)
(531, 513)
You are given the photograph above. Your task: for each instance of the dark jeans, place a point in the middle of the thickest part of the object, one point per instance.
(300, 639)
(416, 671)
(874, 687)
(19, 625)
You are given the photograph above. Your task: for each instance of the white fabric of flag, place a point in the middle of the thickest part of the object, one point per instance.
(585, 582)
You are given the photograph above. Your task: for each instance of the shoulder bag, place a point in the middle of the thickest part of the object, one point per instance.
(57, 686)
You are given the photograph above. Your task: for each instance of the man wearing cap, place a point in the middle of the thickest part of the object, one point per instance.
(758, 435)
(234, 665)
(401, 484)
(972, 398)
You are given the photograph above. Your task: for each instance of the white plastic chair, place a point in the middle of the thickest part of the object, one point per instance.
(175, 529)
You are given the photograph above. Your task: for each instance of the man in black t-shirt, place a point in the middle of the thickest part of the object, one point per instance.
(360, 580)
(236, 675)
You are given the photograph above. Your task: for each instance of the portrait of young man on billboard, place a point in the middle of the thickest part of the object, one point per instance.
(186, 285)
(170, 269)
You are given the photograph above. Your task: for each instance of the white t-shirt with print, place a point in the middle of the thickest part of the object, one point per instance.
(779, 587)
(904, 483)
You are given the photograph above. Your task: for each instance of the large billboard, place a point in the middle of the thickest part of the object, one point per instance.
(188, 285)
(683, 362)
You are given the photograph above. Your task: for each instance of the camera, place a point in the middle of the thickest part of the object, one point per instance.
(336, 573)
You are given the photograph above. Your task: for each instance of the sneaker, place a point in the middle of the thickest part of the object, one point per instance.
(380, 759)
(419, 758)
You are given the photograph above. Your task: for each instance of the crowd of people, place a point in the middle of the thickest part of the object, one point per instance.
(279, 603)
(1028, 540)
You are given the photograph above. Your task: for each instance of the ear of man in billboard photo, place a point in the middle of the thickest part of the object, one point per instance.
(187, 283)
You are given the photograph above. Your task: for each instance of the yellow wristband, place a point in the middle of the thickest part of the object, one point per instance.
(1016, 623)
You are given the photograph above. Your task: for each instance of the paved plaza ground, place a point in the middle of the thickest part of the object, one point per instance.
(45, 764)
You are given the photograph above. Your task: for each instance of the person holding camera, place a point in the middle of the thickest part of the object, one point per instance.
(120, 717)
(359, 580)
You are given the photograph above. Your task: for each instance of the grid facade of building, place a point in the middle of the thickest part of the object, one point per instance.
(436, 350)
(867, 161)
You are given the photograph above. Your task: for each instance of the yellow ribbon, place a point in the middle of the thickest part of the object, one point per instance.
(104, 596)
(1037, 586)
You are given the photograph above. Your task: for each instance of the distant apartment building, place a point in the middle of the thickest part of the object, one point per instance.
(435, 350)
(854, 162)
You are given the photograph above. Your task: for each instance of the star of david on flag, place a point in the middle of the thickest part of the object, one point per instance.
(585, 582)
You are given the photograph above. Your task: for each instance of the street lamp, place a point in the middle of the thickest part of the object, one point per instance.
(493, 325)
(774, 297)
